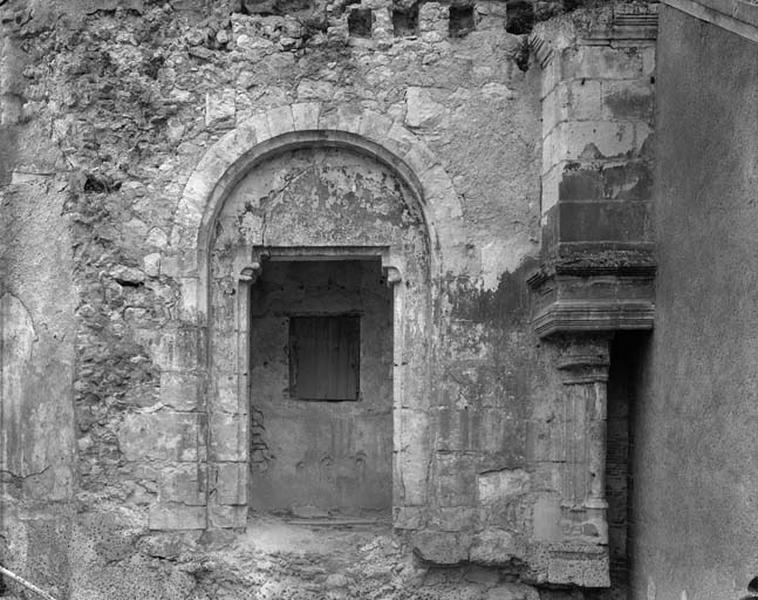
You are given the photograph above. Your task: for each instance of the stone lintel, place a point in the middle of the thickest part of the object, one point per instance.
(261, 254)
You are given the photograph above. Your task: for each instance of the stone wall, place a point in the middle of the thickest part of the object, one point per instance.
(135, 122)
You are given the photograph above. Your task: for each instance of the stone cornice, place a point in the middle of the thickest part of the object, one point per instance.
(616, 24)
(626, 25)
(737, 16)
(593, 292)
(547, 271)
(587, 316)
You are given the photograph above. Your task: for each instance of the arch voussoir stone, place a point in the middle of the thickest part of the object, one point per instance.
(421, 160)
(305, 115)
(300, 125)
(280, 120)
(375, 126)
(349, 119)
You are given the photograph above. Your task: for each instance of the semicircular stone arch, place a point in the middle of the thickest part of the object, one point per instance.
(220, 315)
(297, 126)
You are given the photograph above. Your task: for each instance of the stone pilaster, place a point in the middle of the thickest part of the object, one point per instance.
(576, 552)
(583, 364)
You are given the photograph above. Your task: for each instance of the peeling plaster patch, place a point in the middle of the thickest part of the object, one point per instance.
(18, 337)
(499, 256)
(17, 330)
(497, 91)
(159, 436)
(495, 485)
(252, 227)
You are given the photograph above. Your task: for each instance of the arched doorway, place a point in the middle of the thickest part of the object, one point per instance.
(322, 349)
(213, 306)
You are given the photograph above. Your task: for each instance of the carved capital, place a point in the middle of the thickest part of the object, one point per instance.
(392, 275)
(584, 358)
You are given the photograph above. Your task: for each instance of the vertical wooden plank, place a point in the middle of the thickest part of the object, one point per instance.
(325, 357)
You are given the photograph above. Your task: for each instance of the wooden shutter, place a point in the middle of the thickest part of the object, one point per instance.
(325, 357)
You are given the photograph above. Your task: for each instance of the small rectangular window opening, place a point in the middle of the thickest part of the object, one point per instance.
(359, 22)
(461, 21)
(405, 21)
(324, 357)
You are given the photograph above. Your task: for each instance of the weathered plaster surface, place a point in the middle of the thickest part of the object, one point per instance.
(37, 352)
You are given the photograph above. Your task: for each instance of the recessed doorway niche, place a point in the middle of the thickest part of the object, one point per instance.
(302, 245)
(321, 347)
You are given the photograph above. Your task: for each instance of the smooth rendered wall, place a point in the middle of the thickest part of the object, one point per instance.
(697, 453)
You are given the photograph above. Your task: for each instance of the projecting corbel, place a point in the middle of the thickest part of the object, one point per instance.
(251, 273)
(391, 263)
(392, 275)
